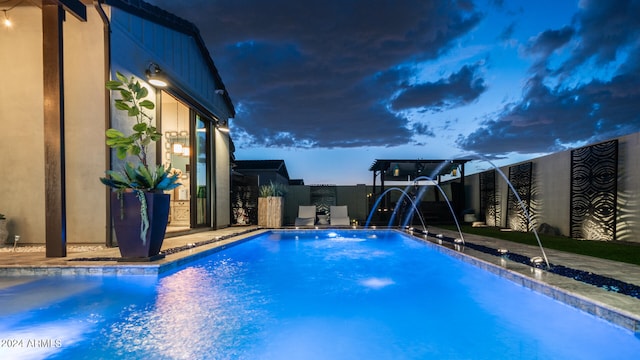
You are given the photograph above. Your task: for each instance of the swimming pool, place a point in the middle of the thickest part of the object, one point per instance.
(304, 295)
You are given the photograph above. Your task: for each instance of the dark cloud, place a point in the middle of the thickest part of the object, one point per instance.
(547, 120)
(303, 73)
(458, 89)
(557, 111)
(423, 129)
(549, 41)
(604, 28)
(543, 46)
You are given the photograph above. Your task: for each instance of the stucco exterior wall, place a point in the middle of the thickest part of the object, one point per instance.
(296, 195)
(356, 198)
(222, 180)
(21, 117)
(551, 190)
(85, 118)
(628, 215)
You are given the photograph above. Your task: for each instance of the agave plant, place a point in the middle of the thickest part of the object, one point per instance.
(141, 178)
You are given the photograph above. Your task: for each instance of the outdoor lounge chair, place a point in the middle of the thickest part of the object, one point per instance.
(306, 215)
(339, 215)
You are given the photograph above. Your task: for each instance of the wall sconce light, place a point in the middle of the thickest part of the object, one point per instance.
(155, 76)
(7, 22)
(221, 125)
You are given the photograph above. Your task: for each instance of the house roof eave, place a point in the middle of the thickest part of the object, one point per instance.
(174, 22)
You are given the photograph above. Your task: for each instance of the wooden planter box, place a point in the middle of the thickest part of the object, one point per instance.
(270, 211)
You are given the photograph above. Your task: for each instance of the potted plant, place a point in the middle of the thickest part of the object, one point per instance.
(271, 205)
(139, 206)
(4, 233)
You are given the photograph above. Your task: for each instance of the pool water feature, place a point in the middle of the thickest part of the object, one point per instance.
(353, 294)
(397, 207)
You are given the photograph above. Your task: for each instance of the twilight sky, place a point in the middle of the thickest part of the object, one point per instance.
(329, 86)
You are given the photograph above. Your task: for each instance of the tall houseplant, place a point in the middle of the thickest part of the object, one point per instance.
(271, 205)
(140, 208)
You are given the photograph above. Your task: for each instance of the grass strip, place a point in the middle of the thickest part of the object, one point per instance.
(610, 250)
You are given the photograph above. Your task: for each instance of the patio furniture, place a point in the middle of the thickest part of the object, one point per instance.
(306, 215)
(339, 215)
(323, 219)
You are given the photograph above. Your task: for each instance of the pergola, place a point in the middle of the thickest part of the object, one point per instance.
(410, 169)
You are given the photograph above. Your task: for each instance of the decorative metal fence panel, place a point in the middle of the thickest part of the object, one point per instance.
(323, 197)
(244, 204)
(520, 177)
(489, 199)
(594, 174)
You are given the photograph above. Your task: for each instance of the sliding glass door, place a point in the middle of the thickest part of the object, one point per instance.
(186, 147)
(202, 172)
(176, 149)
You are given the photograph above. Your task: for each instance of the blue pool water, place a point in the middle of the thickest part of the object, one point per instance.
(304, 295)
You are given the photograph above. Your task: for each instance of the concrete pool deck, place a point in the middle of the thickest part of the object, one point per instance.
(21, 266)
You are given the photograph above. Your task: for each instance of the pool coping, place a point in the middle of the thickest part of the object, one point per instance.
(73, 267)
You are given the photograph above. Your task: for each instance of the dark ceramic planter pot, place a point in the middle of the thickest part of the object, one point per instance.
(127, 227)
